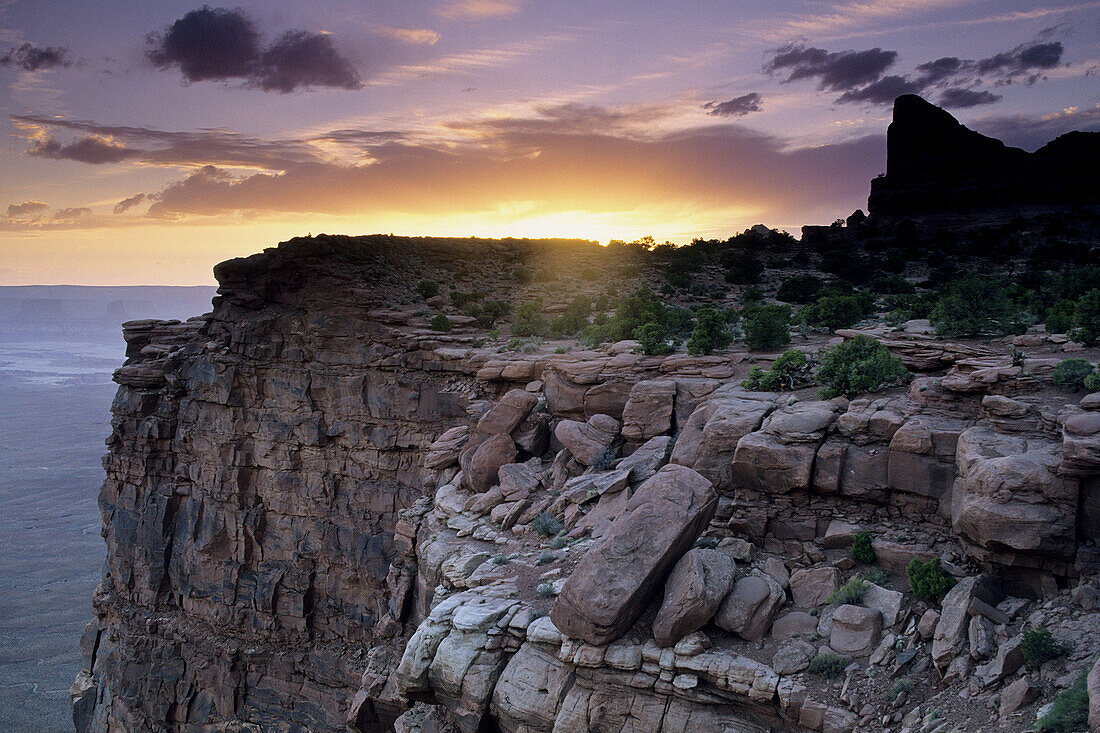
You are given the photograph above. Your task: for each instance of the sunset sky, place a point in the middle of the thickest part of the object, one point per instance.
(145, 141)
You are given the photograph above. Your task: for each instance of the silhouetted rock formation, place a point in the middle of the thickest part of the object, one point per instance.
(937, 167)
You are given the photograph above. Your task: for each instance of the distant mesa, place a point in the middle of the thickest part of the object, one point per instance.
(936, 167)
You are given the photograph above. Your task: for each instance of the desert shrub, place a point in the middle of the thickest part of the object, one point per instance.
(1092, 381)
(491, 310)
(875, 575)
(1070, 711)
(546, 557)
(501, 559)
(851, 593)
(440, 322)
(524, 345)
(903, 685)
(1039, 645)
(799, 289)
(559, 542)
(711, 332)
(892, 285)
(973, 306)
(573, 318)
(604, 460)
(857, 366)
(427, 289)
(529, 319)
(766, 326)
(862, 551)
(460, 299)
(1059, 318)
(835, 311)
(545, 590)
(790, 371)
(631, 312)
(653, 338)
(928, 580)
(1086, 318)
(742, 266)
(546, 524)
(590, 274)
(828, 665)
(1070, 374)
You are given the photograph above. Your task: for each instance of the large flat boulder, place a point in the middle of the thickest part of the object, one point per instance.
(749, 608)
(621, 573)
(693, 592)
(588, 440)
(648, 412)
(708, 438)
(855, 630)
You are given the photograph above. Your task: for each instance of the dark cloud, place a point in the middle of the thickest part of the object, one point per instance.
(1026, 59)
(26, 209)
(301, 59)
(736, 107)
(838, 71)
(883, 91)
(94, 149)
(70, 214)
(31, 58)
(942, 68)
(129, 203)
(957, 97)
(218, 44)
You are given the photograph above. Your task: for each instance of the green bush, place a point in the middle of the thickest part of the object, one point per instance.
(427, 289)
(973, 306)
(790, 371)
(799, 289)
(1071, 374)
(828, 665)
(928, 580)
(1060, 317)
(1039, 645)
(530, 320)
(766, 326)
(835, 311)
(653, 338)
(546, 524)
(851, 593)
(1086, 319)
(460, 299)
(1070, 711)
(491, 310)
(573, 318)
(857, 366)
(711, 332)
(440, 322)
(1092, 381)
(862, 551)
(631, 312)
(545, 590)
(546, 557)
(892, 285)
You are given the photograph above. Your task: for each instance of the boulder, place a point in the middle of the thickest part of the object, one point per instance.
(1081, 443)
(708, 438)
(645, 461)
(749, 608)
(518, 480)
(982, 637)
(763, 462)
(795, 623)
(445, 449)
(839, 535)
(813, 587)
(587, 441)
(855, 630)
(506, 415)
(1015, 696)
(953, 626)
(1009, 659)
(530, 690)
(888, 602)
(694, 590)
(1009, 498)
(926, 627)
(620, 574)
(648, 412)
(481, 466)
(590, 486)
(793, 657)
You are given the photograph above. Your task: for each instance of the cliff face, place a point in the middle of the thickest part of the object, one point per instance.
(938, 168)
(322, 515)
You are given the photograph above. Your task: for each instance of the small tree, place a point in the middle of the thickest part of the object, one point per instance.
(857, 366)
(440, 322)
(862, 551)
(973, 306)
(711, 332)
(529, 319)
(1071, 374)
(427, 289)
(742, 267)
(799, 289)
(790, 371)
(766, 326)
(928, 580)
(653, 337)
(1086, 318)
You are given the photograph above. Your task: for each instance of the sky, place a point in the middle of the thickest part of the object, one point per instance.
(143, 142)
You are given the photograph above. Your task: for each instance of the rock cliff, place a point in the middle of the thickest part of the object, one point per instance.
(322, 515)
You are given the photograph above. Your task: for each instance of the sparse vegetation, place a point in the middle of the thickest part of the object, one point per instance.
(1070, 712)
(862, 551)
(790, 371)
(903, 685)
(605, 459)
(851, 593)
(928, 580)
(546, 524)
(1070, 374)
(545, 590)
(828, 665)
(559, 542)
(573, 319)
(799, 289)
(546, 558)
(1039, 646)
(857, 366)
